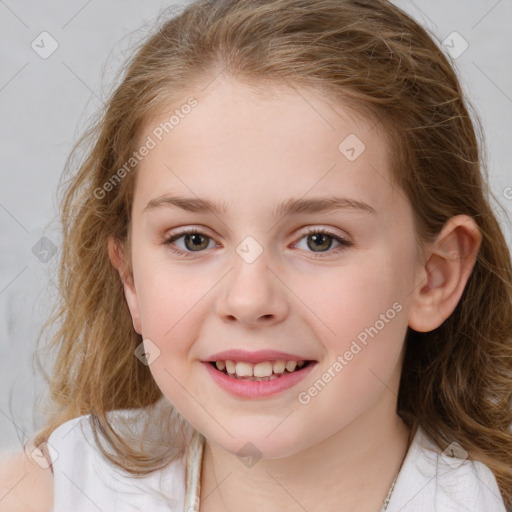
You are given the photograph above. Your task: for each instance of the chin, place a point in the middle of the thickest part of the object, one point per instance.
(258, 446)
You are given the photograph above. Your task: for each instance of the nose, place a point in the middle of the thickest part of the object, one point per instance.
(253, 294)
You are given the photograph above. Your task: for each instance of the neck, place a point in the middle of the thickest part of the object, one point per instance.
(348, 472)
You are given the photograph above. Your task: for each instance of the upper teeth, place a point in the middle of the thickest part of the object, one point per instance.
(265, 369)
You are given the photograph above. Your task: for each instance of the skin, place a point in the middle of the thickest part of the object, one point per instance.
(24, 485)
(252, 152)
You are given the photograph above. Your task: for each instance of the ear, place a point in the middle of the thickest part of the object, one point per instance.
(450, 261)
(117, 257)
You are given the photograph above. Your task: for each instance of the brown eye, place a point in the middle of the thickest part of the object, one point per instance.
(193, 241)
(319, 241)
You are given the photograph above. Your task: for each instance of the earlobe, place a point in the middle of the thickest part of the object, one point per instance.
(450, 261)
(118, 261)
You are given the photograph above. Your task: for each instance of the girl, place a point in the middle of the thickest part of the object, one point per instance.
(283, 284)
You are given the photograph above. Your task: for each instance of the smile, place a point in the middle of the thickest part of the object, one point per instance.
(257, 381)
(264, 371)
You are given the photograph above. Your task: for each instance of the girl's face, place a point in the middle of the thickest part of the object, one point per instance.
(267, 270)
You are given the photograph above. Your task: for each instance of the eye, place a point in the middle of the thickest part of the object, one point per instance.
(322, 239)
(194, 241)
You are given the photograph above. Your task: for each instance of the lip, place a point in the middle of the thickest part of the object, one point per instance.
(259, 356)
(258, 389)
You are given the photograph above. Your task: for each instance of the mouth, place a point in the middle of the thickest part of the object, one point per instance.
(259, 372)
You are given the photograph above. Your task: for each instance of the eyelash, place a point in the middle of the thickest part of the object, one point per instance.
(311, 231)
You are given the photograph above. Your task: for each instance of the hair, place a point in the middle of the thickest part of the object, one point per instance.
(368, 55)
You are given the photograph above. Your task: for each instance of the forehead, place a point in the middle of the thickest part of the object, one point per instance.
(250, 148)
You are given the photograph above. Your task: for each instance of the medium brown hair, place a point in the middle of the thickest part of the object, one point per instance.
(369, 55)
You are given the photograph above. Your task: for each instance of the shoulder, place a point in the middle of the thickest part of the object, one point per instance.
(26, 477)
(26, 482)
(431, 479)
(83, 475)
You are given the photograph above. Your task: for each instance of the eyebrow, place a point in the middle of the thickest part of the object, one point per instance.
(290, 207)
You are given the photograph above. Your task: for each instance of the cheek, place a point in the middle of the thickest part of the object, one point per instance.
(167, 307)
(354, 297)
(362, 308)
(164, 293)
(363, 329)
(170, 307)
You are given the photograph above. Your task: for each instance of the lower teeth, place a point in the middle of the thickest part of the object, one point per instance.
(257, 379)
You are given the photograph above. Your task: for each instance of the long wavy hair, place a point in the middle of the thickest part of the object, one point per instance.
(368, 55)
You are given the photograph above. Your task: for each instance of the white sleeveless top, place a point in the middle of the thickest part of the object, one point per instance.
(85, 481)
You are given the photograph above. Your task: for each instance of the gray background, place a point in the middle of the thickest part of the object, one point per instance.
(45, 104)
